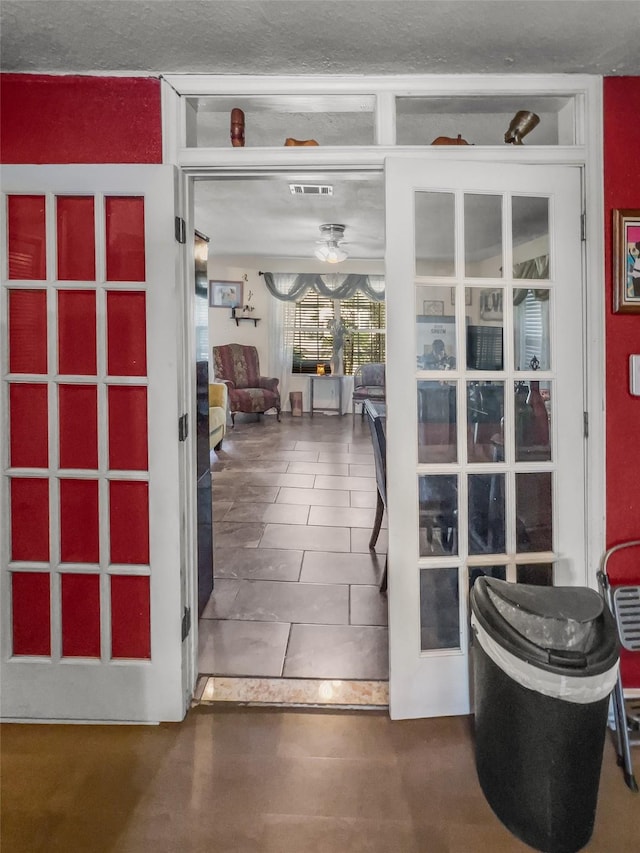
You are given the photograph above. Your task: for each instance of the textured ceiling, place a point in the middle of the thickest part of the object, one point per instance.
(313, 37)
(330, 37)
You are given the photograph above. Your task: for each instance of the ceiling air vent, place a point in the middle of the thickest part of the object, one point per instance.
(311, 189)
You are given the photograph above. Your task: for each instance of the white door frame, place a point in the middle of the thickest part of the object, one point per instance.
(586, 153)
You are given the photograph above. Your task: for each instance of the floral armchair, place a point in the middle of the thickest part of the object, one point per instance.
(368, 384)
(239, 368)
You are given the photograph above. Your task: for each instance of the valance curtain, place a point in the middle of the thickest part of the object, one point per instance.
(533, 268)
(293, 288)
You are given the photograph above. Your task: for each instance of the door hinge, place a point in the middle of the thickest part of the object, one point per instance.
(181, 230)
(186, 623)
(583, 226)
(183, 427)
(585, 424)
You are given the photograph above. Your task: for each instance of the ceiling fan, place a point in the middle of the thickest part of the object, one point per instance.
(330, 246)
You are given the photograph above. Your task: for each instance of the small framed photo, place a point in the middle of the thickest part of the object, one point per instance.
(433, 308)
(225, 294)
(626, 261)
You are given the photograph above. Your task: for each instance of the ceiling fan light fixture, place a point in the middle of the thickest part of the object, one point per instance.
(329, 249)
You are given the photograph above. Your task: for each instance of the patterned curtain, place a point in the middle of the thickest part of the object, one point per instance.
(288, 288)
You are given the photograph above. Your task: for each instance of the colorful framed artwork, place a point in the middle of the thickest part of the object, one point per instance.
(225, 294)
(626, 261)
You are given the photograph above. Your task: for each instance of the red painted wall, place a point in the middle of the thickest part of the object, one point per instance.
(621, 190)
(70, 119)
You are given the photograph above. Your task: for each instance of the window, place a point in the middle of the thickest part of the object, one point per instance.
(368, 342)
(312, 343)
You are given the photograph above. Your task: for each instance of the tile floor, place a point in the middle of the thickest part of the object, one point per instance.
(296, 587)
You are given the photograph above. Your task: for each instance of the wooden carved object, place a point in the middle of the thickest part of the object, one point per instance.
(291, 141)
(237, 128)
(449, 140)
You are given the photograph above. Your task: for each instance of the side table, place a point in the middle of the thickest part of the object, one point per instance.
(331, 377)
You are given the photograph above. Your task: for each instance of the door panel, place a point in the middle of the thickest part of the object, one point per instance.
(91, 587)
(484, 407)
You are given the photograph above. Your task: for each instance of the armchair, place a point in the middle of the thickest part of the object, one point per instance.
(368, 384)
(239, 368)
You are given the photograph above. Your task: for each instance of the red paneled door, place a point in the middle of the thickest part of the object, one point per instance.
(90, 538)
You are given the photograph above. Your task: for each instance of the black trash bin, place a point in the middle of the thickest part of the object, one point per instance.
(545, 661)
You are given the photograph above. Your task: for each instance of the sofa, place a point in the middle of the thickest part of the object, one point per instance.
(218, 413)
(239, 368)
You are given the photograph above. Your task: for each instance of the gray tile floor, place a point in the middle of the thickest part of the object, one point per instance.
(296, 587)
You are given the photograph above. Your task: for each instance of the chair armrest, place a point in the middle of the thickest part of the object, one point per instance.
(218, 394)
(271, 384)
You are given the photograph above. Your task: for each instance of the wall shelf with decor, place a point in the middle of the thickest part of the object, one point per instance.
(254, 320)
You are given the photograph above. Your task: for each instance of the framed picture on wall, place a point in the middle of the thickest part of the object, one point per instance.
(225, 294)
(433, 307)
(491, 304)
(436, 341)
(626, 261)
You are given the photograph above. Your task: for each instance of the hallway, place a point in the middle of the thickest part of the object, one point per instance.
(296, 588)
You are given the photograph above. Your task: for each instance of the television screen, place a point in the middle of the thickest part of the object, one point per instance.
(484, 347)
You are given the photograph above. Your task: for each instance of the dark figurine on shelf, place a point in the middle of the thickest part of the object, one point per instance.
(237, 128)
(522, 123)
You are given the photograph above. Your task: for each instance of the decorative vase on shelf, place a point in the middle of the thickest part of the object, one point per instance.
(336, 361)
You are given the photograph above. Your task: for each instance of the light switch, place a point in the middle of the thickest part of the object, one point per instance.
(634, 375)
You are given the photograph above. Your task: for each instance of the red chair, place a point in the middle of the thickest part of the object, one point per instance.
(239, 368)
(623, 597)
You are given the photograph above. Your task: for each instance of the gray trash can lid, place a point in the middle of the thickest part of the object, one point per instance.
(559, 629)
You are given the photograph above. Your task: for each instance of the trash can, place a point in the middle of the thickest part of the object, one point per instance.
(545, 660)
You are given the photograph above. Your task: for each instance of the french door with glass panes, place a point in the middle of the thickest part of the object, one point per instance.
(485, 446)
(90, 553)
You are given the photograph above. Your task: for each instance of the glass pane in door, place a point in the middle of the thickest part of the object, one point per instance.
(435, 328)
(437, 422)
(530, 230)
(486, 513)
(439, 609)
(531, 329)
(438, 513)
(484, 328)
(435, 233)
(483, 236)
(538, 574)
(485, 411)
(533, 421)
(534, 509)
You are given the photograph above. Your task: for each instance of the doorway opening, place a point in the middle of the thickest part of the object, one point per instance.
(296, 615)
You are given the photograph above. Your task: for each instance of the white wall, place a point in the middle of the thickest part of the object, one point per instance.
(223, 329)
